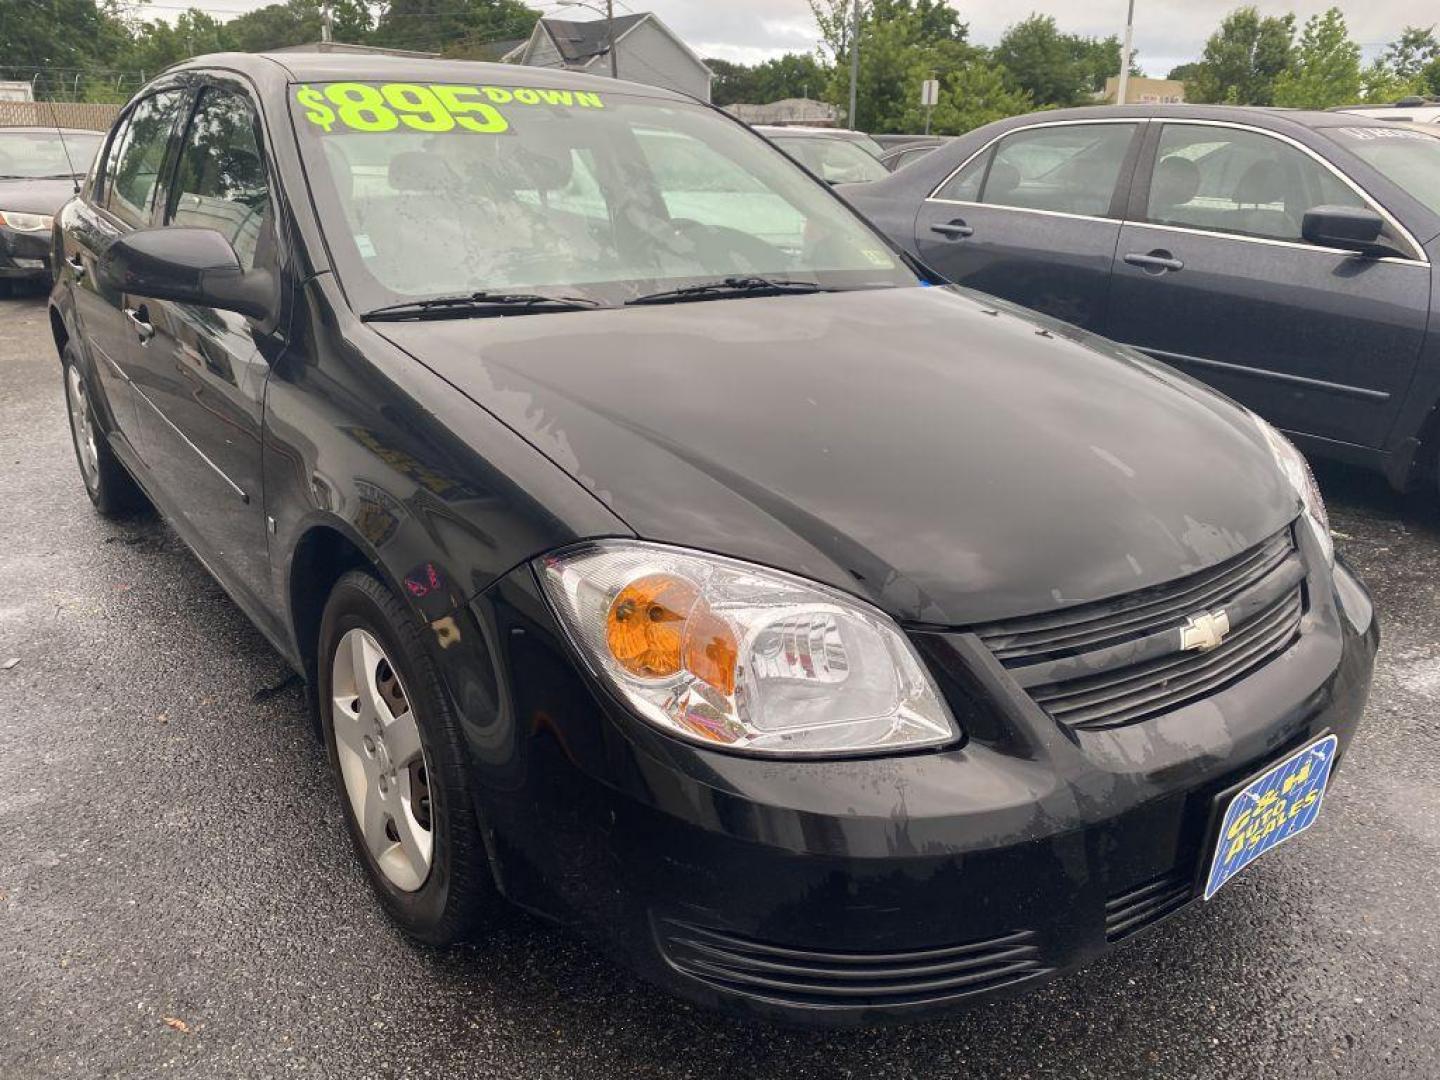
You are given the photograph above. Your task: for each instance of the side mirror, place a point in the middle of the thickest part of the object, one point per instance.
(1350, 228)
(191, 266)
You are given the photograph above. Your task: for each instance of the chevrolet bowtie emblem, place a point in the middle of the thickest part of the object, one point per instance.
(1205, 631)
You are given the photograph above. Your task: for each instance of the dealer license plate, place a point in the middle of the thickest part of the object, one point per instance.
(1281, 802)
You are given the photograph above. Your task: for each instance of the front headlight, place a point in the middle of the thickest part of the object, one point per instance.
(1297, 470)
(26, 222)
(733, 655)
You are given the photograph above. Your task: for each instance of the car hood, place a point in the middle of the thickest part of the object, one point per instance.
(951, 458)
(35, 196)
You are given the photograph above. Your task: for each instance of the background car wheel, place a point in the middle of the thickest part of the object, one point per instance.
(112, 490)
(396, 750)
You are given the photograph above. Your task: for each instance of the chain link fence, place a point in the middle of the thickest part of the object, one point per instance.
(65, 114)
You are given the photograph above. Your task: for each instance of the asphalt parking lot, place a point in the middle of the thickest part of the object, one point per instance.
(177, 895)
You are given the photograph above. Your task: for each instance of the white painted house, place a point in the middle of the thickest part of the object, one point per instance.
(646, 51)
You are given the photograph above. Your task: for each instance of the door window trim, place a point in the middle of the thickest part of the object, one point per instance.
(100, 201)
(1417, 258)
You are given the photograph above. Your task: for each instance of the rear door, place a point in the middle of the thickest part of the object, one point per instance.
(204, 370)
(1034, 217)
(1212, 274)
(120, 200)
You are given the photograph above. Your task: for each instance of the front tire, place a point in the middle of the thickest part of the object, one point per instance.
(111, 489)
(396, 750)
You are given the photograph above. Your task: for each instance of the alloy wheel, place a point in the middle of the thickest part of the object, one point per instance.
(382, 761)
(81, 426)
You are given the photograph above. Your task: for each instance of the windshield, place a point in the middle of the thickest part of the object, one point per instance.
(32, 155)
(442, 189)
(1409, 157)
(835, 161)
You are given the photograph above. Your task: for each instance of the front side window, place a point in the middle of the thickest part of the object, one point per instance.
(440, 189)
(34, 155)
(221, 182)
(138, 155)
(1068, 169)
(1409, 157)
(1244, 182)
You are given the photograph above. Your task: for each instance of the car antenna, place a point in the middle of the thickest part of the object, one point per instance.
(55, 119)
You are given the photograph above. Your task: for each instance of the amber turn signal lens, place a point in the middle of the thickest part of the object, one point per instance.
(710, 650)
(645, 626)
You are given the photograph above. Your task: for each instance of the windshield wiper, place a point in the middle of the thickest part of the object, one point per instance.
(465, 305)
(730, 286)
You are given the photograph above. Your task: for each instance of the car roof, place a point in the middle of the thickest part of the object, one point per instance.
(1264, 116)
(368, 67)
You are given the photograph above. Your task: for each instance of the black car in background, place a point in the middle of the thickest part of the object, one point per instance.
(665, 553)
(39, 168)
(1283, 257)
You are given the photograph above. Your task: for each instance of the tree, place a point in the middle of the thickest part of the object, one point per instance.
(789, 76)
(1325, 70)
(902, 42)
(296, 22)
(1186, 73)
(1408, 56)
(1040, 62)
(156, 45)
(1243, 59)
(1056, 68)
(977, 92)
(453, 26)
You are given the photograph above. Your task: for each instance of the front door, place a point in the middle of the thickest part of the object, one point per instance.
(1034, 218)
(204, 371)
(1213, 276)
(120, 200)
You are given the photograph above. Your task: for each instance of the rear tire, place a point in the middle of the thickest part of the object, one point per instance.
(112, 490)
(397, 753)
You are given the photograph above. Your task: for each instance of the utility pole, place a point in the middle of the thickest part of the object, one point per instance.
(327, 19)
(1125, 56)
(610, 29)
(854, 61)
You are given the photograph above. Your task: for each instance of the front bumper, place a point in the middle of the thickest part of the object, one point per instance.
(24, 254)
(848, 892)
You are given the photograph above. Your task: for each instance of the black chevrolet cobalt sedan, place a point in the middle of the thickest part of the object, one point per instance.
(670, 556)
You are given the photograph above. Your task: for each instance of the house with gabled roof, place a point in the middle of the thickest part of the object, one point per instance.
(646, 51)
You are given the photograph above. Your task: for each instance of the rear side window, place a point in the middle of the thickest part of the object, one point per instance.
(138, 154)
(221, 182)
(1230, 180)
(1067, 169)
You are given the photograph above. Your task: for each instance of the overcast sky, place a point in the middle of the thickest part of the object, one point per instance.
(1167, 32)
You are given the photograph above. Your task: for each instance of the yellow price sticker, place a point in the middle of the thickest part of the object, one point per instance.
(435, 107)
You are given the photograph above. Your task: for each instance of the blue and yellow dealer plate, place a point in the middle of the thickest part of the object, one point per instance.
(1280, 803)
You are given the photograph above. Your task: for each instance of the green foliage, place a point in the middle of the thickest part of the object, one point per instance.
(1054, 68)
(1325, 70)
(1243, 59)
(454, 27)
(975, 93)
(1410, 55)
(790, 76)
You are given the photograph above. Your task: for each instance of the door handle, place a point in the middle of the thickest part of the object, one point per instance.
(139, 319)
(953, 230)
(76, 264)
(1156, 262)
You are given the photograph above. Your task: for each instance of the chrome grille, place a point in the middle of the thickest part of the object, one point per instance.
(1118, 662)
